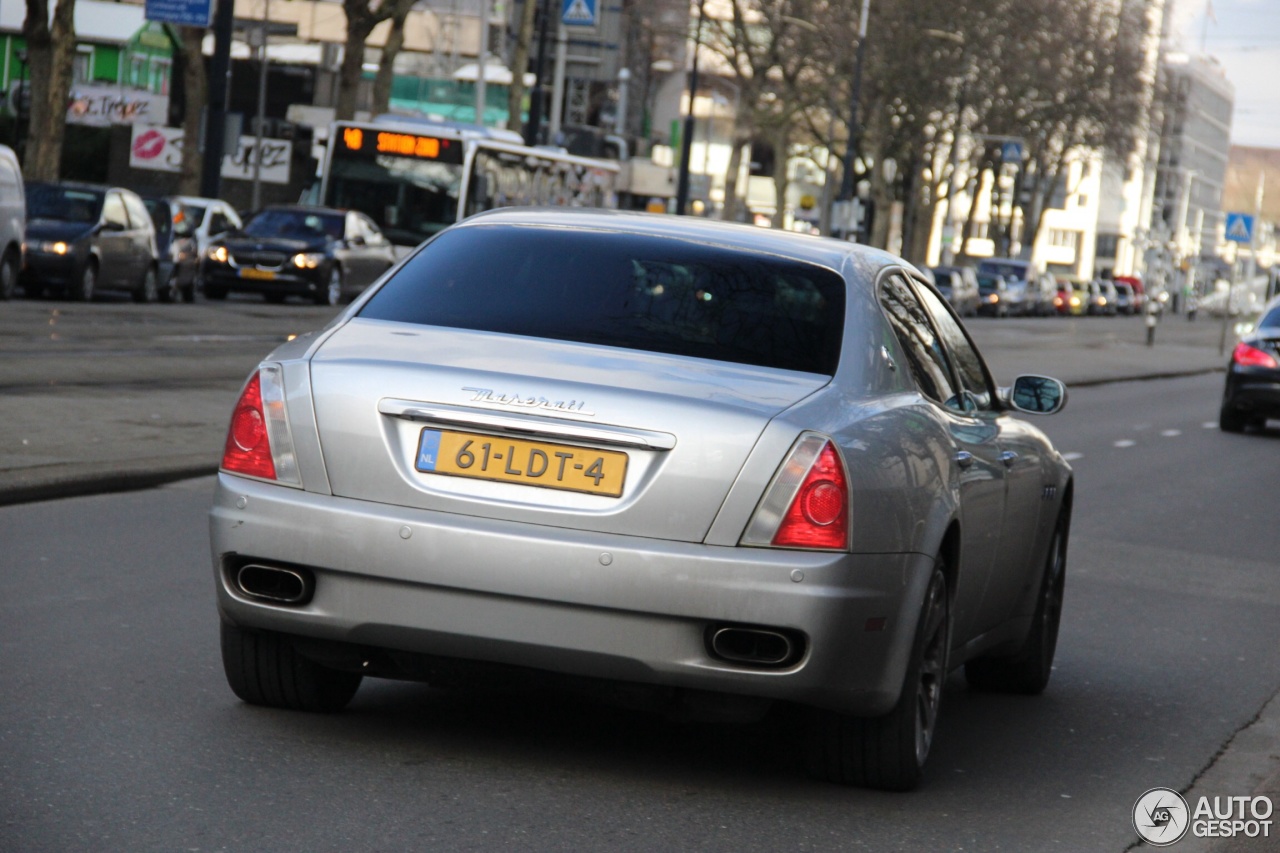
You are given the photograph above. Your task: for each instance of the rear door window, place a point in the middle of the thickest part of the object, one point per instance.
(623, 290)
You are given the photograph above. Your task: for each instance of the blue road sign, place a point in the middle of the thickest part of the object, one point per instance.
(1011, 152)
(579, 13)
(1239, 227)
(189, 13)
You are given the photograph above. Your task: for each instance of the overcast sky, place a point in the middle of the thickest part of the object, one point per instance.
(1244, 35)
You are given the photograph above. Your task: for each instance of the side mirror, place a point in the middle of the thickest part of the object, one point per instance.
(111, 225)
(1035, 395)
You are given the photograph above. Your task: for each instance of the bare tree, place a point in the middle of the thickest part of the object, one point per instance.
(519, 62)
(390, 49)
(195, 86)
(50, 52)
(362, 17)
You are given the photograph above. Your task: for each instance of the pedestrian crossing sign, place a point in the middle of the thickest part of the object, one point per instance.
(579, 13)
(1239, 228)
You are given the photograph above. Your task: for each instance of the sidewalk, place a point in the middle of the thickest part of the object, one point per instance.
(64, 439)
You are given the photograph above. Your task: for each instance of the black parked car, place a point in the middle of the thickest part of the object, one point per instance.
(326, 255)
(82, 238)
(1253, 377)
(179, 256)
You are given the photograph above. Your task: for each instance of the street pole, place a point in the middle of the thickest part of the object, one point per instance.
(482, 61)
(262, 104)
(216, 117)
(846, 185)
(557, 85)
(532, 129)
(686, 138)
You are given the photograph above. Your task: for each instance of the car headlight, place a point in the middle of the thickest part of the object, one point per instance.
(219, 254)
(53, 247)
(308, 260)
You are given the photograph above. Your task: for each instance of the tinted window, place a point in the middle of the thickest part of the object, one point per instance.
(923, 349)
(160, 216)
(967, 362)
(1008, 269)
(50, 201)
(1271, 320)
(296, 224)
(623, 290)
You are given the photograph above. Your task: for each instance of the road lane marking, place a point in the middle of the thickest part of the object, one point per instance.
(1171, 433)
(1210, 424)
(1072, 457)
(1124, 442)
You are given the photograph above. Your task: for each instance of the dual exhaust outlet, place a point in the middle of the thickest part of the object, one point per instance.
(763, 647)
(274, 584)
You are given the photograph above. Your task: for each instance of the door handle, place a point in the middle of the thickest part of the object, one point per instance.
(964, 459)
(1008, 457)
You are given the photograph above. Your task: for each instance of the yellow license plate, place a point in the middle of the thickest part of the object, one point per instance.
(514, 460)
(264, 275)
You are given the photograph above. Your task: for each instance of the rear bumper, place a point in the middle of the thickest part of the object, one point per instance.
(1254, 391)
(599, 605)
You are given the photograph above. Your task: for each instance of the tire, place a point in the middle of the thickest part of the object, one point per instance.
(262, 668)
(188, 292)
(88, 283)
(8, 275)
(1231, 419)
(274, 298)
(148, 290)
(332, 292)
(888, 752)
(171, 292)
(1028, 671)
(215, 292)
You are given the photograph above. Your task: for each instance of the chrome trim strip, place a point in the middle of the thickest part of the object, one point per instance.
(526, 425)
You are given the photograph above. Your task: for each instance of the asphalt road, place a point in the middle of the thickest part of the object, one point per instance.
(117, 731)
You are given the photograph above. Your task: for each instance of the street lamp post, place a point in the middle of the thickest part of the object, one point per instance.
(686, 138)
(846, 184)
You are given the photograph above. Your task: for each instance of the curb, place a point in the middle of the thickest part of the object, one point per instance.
(65, 480)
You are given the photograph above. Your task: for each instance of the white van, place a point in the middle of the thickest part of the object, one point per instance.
(13, 221)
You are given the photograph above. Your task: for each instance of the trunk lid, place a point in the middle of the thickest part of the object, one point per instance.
(461, 421)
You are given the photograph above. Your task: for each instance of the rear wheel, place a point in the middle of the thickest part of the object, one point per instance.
(1231, 419)
(889, 752)
(1028, 671)
(8, 275)
(263, 669)
(148, 290)
(83, 291)
(171, 292)
(331, 293)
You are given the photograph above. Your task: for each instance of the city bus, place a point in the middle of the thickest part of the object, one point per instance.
(415, 178)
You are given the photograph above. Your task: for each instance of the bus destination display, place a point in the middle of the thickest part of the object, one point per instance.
(369, 141)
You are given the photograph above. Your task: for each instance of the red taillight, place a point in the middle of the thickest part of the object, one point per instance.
(1247, 356)
(248, 448)
(819, 513)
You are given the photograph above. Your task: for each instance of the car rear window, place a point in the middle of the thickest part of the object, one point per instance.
(624, 290)
(1008, 270)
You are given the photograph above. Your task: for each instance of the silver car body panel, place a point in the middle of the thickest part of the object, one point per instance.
(624, 588)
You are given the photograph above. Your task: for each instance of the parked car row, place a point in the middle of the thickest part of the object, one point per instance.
(74, 240)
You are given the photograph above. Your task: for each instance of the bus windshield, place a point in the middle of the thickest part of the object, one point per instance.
(407, 179)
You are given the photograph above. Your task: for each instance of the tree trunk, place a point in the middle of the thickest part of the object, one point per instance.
(520, 62)
(50, 53)
(195, 82)
(732, 203)
(360, 23)
(386, 69)
(781, 147)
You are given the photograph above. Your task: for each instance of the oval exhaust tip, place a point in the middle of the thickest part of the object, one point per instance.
(752, 645)
(273, 583)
